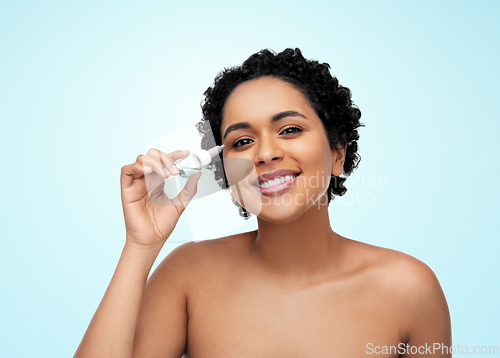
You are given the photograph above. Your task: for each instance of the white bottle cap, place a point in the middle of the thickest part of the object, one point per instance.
(203, 156)
(197, 160)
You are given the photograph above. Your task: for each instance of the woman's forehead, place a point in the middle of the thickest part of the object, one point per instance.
(262, 98)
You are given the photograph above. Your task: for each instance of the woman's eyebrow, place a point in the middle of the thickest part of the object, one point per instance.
(281, 115)
(275, 118)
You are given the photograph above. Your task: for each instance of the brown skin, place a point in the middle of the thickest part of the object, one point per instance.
(294, 287)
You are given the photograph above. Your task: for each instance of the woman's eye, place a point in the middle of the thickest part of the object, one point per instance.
(241, 142)
(290, 130)
(245, 141)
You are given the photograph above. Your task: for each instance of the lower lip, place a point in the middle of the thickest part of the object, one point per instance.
(278, 189)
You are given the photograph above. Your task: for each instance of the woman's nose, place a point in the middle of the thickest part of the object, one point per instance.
(267, 151)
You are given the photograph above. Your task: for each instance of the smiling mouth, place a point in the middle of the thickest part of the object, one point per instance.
(277, 185)
(277, 181)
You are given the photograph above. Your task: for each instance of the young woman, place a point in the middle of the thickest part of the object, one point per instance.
(292, 288)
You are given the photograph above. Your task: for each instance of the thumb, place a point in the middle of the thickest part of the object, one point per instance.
(189, 190)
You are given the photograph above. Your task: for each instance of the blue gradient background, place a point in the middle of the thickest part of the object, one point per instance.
(85, 87)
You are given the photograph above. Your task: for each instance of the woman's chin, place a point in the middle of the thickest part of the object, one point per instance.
(280, 215)
(281, 209)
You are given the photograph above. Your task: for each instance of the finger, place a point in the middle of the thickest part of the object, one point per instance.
(189, 191)
(165, 159)
(153, 163)
(169, 159)
(130, 173)
(178, 154)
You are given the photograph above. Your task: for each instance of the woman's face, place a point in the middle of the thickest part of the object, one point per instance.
(271, 124)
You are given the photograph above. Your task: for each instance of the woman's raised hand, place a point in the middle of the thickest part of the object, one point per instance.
(150, 216)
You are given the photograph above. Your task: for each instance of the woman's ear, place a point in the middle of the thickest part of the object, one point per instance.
(338, 160)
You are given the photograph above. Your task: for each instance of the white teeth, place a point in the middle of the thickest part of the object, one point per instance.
(277, 181)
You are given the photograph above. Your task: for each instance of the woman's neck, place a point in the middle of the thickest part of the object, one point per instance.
(304, 250)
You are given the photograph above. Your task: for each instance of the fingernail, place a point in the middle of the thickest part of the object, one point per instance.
(167, 174)
(146, 168)
(174, 169)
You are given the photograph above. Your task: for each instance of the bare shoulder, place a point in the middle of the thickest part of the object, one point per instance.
(207, 249)
(164, 310)
(195, 257)
(403, 270)
(405, 282)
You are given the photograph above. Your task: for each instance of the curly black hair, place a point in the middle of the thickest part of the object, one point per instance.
(331, 101)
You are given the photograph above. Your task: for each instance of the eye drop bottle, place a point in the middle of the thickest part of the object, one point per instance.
(197, 161)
